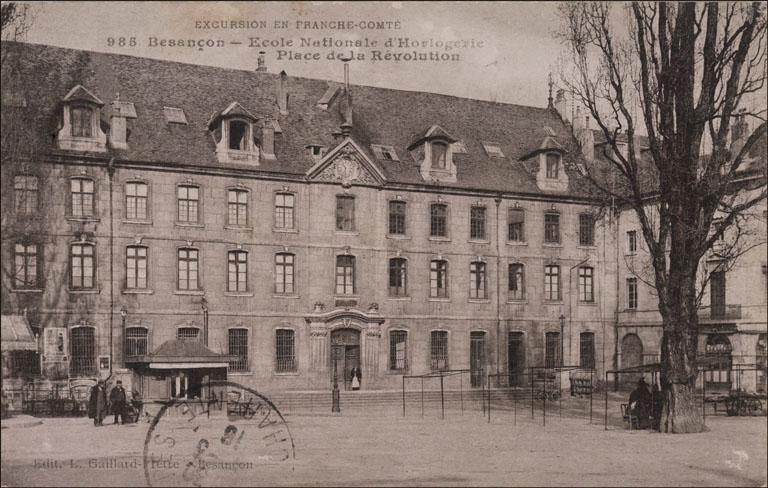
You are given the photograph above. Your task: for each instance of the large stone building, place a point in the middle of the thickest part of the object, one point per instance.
(168, 223)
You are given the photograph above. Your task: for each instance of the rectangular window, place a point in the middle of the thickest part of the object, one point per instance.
(438, 222)
(632, 293)
(83, 351)
(586, 284)
(717, 294)
(136, 267)
(553, 165)
(552, 282)
(237, 207)
(284, 273)
(22, 364)
(551, 228)
(516, 224)
(477, 287)
(136, 341)
(439, 155)
(285, 359)
(82, 197)
(587, 350)
(586, 230)
(345, 213)
(345, 275)
(438, 279)
(477, 223)
(25, 267)
(136, 200)
(438, 357)
(631, 241)
(516, 282)
(397, 218)
(284, 211)
(237, 342)
(398, 274)
(552, 349)
(398, 350)
(237, 271)
(81, 121)
(82, 266)
(25, 194)
(188, 333)
(188, 269)
(189, 201)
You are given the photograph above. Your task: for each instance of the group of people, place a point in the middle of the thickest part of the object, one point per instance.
(99, 406)
(646, 405)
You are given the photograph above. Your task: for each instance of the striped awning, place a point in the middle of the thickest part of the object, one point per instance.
(16, 334)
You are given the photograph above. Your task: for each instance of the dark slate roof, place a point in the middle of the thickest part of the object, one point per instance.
(381, 116)
(186, 350)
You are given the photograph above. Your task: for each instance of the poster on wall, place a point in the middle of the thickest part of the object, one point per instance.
(55, 355)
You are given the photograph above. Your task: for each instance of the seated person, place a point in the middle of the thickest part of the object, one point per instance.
(640, 403)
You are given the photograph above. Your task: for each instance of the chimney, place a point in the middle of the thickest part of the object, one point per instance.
(578, 122)
(336, 136)
(118, 132)
(261, 64)
(346, 128)
(561, 105)
(268, 139)
(282, 94)
(346, 106)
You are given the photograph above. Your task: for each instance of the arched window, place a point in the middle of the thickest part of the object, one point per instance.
(761, 361)
(83, 351)
(136, 259)
(136, 341)
(82, 266)
(238, 135)
(82, 191)
(438, 357)
(438, 220)
(631, 355)
(398, 276)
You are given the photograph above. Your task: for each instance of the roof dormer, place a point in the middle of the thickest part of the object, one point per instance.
(433, 150)
(81, 122)
(236, 133)
(548, 164)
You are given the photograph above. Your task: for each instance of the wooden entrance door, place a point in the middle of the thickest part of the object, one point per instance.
(345, 355)
(477, 357)
(516, 358)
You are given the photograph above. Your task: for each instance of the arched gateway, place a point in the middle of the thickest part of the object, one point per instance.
(345, 355)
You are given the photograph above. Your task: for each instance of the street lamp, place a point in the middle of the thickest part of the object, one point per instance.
(562, 336)
(204, 306)
(123, 315)
(335, 408)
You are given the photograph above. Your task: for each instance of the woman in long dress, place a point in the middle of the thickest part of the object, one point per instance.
(355, 377)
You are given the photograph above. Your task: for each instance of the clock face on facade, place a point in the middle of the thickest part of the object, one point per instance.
(346, 170)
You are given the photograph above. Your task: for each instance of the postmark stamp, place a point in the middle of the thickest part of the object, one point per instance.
(215, 442)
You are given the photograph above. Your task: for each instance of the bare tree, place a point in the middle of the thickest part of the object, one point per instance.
(693, 70)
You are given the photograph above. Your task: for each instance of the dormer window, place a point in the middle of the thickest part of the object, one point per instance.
(235, 131)
(493, 149)
(80, 128)
(439, 155)
(81, 118)
(459, 148)
(553, 166)
(316, 151)
(385, 152)
(433, 150)
(238, 135)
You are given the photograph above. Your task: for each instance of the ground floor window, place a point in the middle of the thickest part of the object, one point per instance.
(83, 351)
(552, 350)
(23, 363)
(398, 350)
(238, 346)
(438, 359)
(192, 333)
(136, 339)
(285, 353)
(587, 350)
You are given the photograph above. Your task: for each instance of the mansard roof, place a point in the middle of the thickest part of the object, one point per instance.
(381, 116)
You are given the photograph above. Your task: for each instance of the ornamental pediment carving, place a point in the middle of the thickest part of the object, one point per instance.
(347, 164)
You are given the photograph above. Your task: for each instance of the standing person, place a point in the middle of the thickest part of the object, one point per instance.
(640, 403)
(355, 376)
(656, 406)
(97, 404)
(118, 400)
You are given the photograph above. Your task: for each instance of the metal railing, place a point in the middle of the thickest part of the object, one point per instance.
(442, 375)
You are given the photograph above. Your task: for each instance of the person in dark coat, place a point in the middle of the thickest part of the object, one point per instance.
(118, 400)
(656, 406)
(97, 404)
(640, 403)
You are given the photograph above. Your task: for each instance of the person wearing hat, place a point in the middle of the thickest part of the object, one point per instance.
(640, 403)
(118, 400)
(97, 404)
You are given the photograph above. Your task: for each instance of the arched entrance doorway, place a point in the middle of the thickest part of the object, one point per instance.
(718, 373)
(345, 355)
(631, 355)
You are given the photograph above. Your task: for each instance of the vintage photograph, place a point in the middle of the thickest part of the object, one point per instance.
(384, 243)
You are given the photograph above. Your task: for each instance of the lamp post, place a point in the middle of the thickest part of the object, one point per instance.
(562, 337)
(335, 408)
(204, 306)
(123, 315)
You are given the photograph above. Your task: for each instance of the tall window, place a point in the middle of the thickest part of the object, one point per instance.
(516, 224)
(189, 203)
(25, 266)
(284, 269)
(438, 357)
(587, 350)
(189, 333)
(284, 204)
(136, 200)
(237, 342)
(82, 266)
(397, 217)
(477, 222)
(398, 276)
(439, 155)
(438, 220)
(82, 197)
(477, 288)
(237, 207)
(237, 271)
(438, 279)
(717, 294)
(285, 358)
(553, 165)
(25, 192)
(586, 284)
(631, 241)
(632, 293)
(188, 268)
(136, 267)
(345, 213)
(551, 227)
(136, 341)
(398, 350)
(516, 281)
(83, 351)
(345, 275)
(586, 230)
(238, 135)
(81, 121)
(552, 349)
(552, 282)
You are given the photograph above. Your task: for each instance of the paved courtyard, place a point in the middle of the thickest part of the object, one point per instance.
(386, 449)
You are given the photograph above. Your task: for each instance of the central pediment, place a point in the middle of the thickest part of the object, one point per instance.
(347, 164)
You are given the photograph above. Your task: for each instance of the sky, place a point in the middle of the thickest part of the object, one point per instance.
(514, 52)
